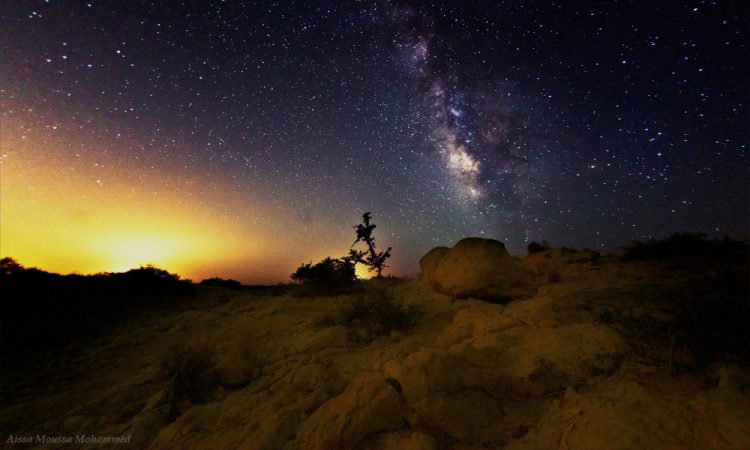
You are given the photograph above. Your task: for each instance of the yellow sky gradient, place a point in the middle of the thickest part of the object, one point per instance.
(66, 219)
(91, 211)
(63, 219)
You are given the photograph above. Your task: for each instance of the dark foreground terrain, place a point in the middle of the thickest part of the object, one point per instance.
(608, 354)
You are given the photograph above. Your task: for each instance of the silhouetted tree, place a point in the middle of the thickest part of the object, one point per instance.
(371, 258)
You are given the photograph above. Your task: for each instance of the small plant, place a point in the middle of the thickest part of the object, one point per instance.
(378, 314)
(370, 258)
(326, 277)
(191, 375)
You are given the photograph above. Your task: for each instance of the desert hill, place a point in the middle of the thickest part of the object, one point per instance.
(601, 354)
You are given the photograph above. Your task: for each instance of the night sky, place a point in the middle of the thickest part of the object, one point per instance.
(241, 139)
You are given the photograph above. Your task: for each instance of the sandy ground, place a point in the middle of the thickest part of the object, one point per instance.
(544, 372)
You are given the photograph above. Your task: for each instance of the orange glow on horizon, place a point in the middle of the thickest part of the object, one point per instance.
(65, 224)
(62, 213)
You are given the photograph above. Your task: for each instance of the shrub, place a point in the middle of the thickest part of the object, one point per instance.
(712, 322)
(325, 321)
(680, 245)
(191, 375)
(9, 267)
(378, 314)
(706, 318)
(221, 282)
(41, 311)
(536, 247)
(553, 277)
(326, 277)
(151, 279)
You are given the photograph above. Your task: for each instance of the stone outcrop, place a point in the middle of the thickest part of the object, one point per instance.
(430, 261)
(477, 268)
(367, 406)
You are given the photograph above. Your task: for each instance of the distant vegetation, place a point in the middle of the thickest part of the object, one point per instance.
(17, 279)
(680, 245)
(41, 309)
(536, 247)
(709, 315)
(221, 282)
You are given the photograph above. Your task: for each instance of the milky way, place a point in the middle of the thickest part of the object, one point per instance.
(272, 126)
(441, 107)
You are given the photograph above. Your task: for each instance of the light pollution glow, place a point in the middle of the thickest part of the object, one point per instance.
(64, 216)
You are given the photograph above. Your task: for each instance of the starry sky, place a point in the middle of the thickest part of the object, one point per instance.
(240, 139)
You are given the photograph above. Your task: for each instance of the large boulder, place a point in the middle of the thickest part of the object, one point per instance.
(478, 268)
(429, 262)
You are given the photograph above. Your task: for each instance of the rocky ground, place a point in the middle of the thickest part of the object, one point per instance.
(558, 370)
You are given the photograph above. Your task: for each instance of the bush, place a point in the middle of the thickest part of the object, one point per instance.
(680, 245)
(41, 311)
(151, 280)
(378, 314)
(553, 277)
(705, 318)
(191, 375)
(221, 282)
(326, 277)
(535, 247)
(713, 321)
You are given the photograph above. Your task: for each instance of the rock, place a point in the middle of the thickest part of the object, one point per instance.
(235, 369)
(415, 441)
(420, 373)
(317, 377)
(146, 426)
(368, 405)
(75, 424)
(157, 400)
(317, 340)
(469, 416)
(402, 440)
(480, 268)
(491, 375)
(273, 431)
(638, 415)
(429, 262)
(397, 335)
